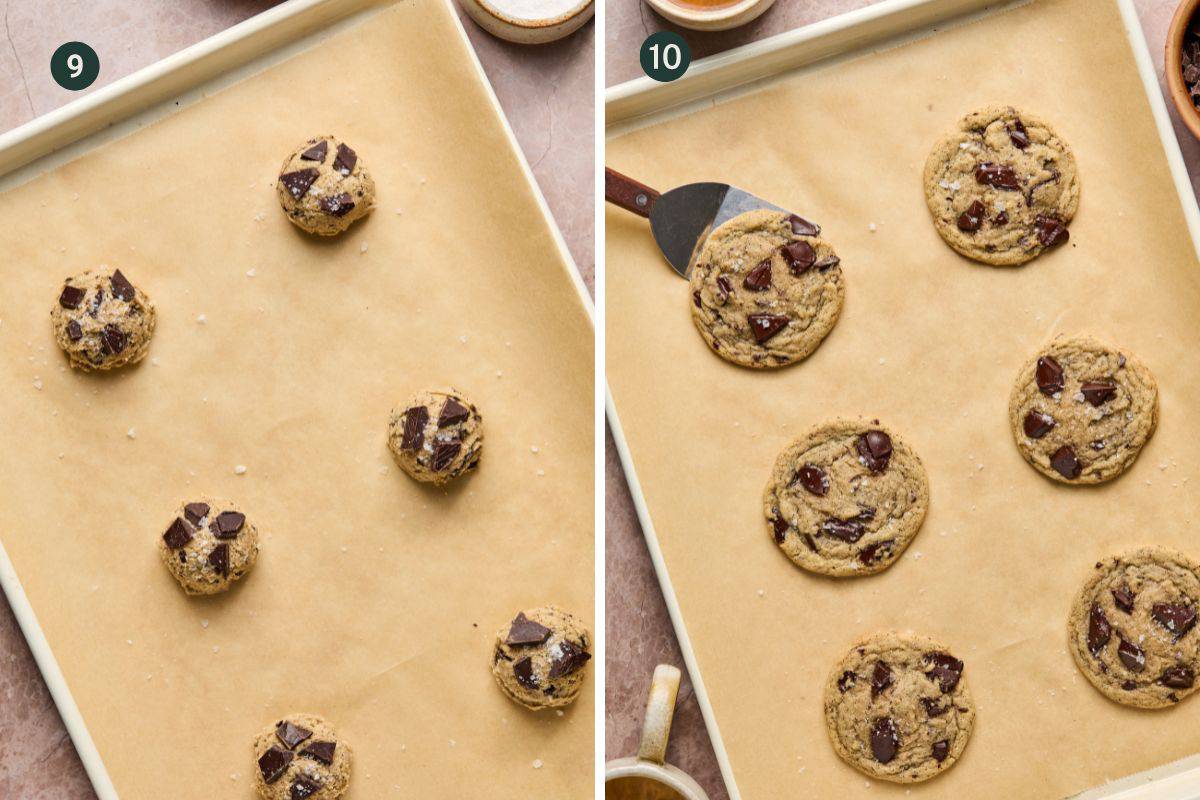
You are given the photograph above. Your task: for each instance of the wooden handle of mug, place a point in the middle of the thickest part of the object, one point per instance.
(660, 710)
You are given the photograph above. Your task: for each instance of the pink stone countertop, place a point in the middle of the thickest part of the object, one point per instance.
(638, 632)
(546, 93)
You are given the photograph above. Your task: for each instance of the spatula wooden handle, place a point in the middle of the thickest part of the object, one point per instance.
(628, 193)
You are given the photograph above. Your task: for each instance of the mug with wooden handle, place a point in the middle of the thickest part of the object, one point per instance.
(647, 776)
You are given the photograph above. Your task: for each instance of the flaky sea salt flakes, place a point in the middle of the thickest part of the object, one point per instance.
(533, 448)
(216, 648)
(37, 384)
(362, 248)
(240, 469)
(202, 319)
(203, 623)
(537, 763)
(250, 273)
(131, 433)
(872, 227)
(463, 338)
(762, 592)
(154, 361)
(541, 473)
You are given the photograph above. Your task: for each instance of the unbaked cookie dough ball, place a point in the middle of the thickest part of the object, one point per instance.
(324, 187)
(301, 757)
(540, 657)
(102, 321)
(436, 436)
(208, 546)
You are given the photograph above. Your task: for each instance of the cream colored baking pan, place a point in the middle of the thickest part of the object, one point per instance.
(834, 121)
(375, 600)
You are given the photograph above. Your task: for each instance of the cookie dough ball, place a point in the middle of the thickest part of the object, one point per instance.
(1002, 187)
(208, 546)
(1081, 411)
(324, 187)
(766, 290)
(436, 436)
(1133, 627)
(102, 321)
(897, 708)
(300, 756)
(540, 657)
(846, 498)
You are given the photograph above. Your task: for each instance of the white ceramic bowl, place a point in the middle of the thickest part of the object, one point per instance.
(491, 16)
(711, 19)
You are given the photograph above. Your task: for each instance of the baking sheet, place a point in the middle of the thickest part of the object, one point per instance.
(375, 599)
(930, 343)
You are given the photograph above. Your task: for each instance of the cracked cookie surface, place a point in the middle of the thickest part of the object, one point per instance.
(1081, 411)
(846, 498)
(766, 290)
(436, 436)
(1002, 187)
(540, 657)
(1133, 627)
(102, 321)
(897, 707)
(208, 546)
(324, 187)
(301, 756)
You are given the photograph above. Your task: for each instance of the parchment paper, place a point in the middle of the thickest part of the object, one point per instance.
(375, 600)
(931, 343)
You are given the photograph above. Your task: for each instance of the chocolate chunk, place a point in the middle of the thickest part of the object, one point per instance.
(444, 452)
(114, 339)
(799, 256)
(1123, 597)
(298, 183)
(291, 735)
(228, 524)
(1001, 219)
(802, 227)
(304, 786)
(1018, 135)
(941, 749)
(944, 669)
(97, 301)
(848, 530)
(724, 289)
(1000, 176)
(1131, 656)
(415, 419)
(696, 299)
(1096, 445)
(781, 528)
(934, 707)
(971, 219)
(759, 278)
(1129, 686)
(1177, 618)
(524, 631)
(1038, 424)
(1049, 375)
(345, 161)
(764, 326)
(814, 479)
(121, 287)
(1099, 630)
(569, 660)
(1050, 231)
(875, 450)
(1065, 463)
(274, 763)
(808, 541)
(885, 741)
(523, 670)
(194, 512)
(320, 751)
(316, 152)
(847, 681)
(1096, 392)
(827, 262)
(74, 332)
(453, 412)
(882, 549)
(1177, 677)
(218, 559)
(337, 205)
(178, 535)
(71, 297)
(881, 679)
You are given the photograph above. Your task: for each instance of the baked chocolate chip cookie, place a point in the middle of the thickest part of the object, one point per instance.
(539, 658)
(324, 187)
(208, 546)
(897, 707)
(846, 498)
(299, 757)
(436, 436)
(766, 290)
(1133, 627)
(1002, 187)
(1081, 411)
(102, 321)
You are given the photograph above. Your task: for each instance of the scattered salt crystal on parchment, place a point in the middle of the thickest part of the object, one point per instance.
(131, 433)
(537, 763)
(240, 469)
(202, 318)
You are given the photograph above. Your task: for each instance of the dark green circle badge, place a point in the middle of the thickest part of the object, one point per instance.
(665, 56)
(74, 66)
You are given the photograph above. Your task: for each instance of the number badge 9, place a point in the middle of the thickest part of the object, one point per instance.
(74, 66)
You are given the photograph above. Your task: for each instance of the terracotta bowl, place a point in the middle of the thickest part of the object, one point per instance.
(1173, 66)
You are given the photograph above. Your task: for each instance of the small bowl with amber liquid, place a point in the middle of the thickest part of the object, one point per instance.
(710, 15)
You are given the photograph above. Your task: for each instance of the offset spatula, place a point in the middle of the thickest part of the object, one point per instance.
(682, 218)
